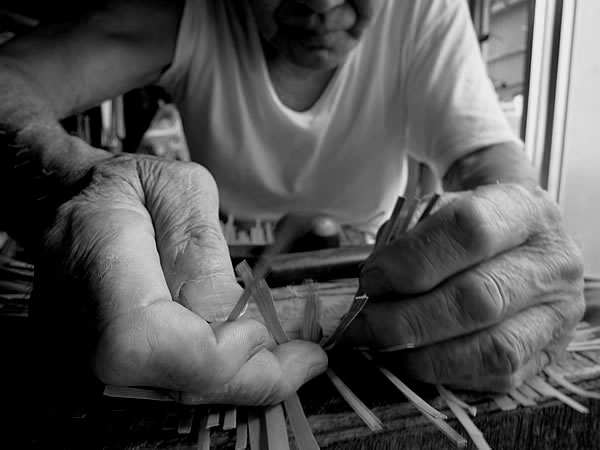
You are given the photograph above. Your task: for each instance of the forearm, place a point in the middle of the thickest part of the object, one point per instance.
(39, 161)
(501, 163)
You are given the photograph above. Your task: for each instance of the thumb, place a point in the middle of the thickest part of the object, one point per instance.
(183, 201)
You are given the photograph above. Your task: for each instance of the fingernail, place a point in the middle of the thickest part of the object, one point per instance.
(316, 370)
(256, 349)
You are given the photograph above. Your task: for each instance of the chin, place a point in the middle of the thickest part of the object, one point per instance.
(318, 57)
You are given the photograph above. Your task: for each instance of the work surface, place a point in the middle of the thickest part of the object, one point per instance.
(42, 414)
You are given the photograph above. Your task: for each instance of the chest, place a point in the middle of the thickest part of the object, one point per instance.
(296, 88)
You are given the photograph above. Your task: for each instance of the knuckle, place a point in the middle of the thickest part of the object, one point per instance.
(420, 263)
(500, 355)
(477, 229)
(481, 298)
(201, 177)
(549, 209)
(411, 328)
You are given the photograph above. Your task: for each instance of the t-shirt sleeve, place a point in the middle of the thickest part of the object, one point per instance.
(194, 43)
(452, 106)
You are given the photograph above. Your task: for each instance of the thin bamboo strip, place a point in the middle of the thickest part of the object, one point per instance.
(582, 334)
(213, 418)
(264, 299)
(310, 332)
(583, 348)
(7, 261)
(361, 410)
(276, 428)
(15, 286)
(311, 329)
(528, 392)
(230, 418)
(544, 388)
(390, 230)
(204, 434)
(504, 402)
(417, 401)
(460, 412)
(521, 399)
(562, 381)
(254, 431)
(136, 393)
(305, 439)
(291, 231)
(186, 419)
(447, 393)
(241, 432)
(360, 298)
(14, 297)
(25, 273)
(450, 432)
(472, 430)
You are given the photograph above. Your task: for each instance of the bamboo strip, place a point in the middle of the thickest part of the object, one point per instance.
(472, 430)
(410, 207)
(264, 300)
(230, 418)
(361, 410)
(213, 418)
(186, 420)
(136, 393)
(254, 431)
(583, 348)
(204, 435)
(304, 436)
(388, 233)
(241, 432)
(521, 399)
(276, 428)
(7, 261)
(311, 329)
(14, 297)
(15, 286)
(448, 394)
(360, 298)
(562, 381)
(528, 392)
(505, 403)
(544, 388)
(450, 432)
(310, 332)
(290, 232)
(417, 401)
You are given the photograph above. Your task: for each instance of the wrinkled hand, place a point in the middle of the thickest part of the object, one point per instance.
(143, 273)
(487, 290)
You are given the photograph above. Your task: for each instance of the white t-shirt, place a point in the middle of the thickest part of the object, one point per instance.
(415, 85)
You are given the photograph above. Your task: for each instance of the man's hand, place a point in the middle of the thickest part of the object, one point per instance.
(138, 263)
(486, 290)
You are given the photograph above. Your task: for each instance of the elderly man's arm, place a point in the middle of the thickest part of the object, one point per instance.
(501, 163)
(132, 270)
(58, 69)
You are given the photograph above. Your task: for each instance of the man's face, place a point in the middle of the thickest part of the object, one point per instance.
(315, 34)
